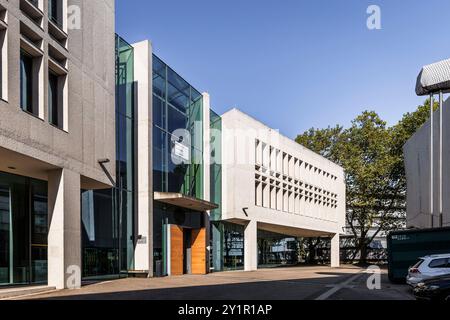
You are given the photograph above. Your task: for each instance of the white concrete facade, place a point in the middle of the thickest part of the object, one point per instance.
(143, 76)
(67, 155)
(421, 211)
(144, 151)
(272, 183)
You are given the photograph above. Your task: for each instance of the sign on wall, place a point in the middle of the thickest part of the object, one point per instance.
(181, 151)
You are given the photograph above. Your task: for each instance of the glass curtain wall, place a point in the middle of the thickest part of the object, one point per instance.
(227, 246)
(23, 230)
(277, 250)
(216, 256)
(108, 215)
(177, 153)
(177, 133)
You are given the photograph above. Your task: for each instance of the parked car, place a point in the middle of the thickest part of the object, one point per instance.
(435, 289)
(429, 267)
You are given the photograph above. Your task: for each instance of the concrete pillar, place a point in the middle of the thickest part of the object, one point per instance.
(207, 172)
(251, 246)
(335, 251)
(64, 237)
(144, 174)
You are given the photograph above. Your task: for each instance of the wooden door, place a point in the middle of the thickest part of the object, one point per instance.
(198, 249)
(176, 251)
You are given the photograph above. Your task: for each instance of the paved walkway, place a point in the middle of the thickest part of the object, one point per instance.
(304, 283)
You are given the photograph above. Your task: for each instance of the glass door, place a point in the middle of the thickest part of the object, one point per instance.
(5, 235)
(23, 230)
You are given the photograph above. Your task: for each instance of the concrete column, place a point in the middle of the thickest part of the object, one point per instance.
(251, 246)
(64, 237)
(207, 171)
(144, 174)
(335, 251)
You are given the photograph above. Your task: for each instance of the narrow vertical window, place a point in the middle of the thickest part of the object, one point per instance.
(53, 99)
(55, 12)
(26, 82)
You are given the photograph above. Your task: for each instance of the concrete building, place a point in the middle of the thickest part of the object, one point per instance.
(112, 164)
(421, 211)
(57, 124)
(272, 184)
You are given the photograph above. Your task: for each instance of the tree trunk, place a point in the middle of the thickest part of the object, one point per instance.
(363, 253)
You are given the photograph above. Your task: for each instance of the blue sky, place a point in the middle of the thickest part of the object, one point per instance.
(295, 64)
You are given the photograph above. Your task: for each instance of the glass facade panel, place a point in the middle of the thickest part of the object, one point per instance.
(176, 120)
(216, 164)
(159, 112)
(108, 215)
(5, 231)
(159, 159)
(177, 133)
(159, 77)
(23, 230)
(100, 238)
(227, 246)
(39, 232)
(233, 246)
(277, 250)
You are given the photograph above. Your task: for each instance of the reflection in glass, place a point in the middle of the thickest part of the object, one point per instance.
(176, 106)
(108, 215)
(159, 112)
(277, 250)
(233, 246)
(216, 164)
(5, 226)
(100, 246)
(23, 230)
(26, 82)
(39, 232)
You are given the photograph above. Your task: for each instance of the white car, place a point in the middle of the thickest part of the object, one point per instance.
(428, 267)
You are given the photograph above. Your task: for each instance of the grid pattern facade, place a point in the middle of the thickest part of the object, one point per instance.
(283, 182)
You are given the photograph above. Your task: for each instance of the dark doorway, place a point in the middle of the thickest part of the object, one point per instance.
(187, 251)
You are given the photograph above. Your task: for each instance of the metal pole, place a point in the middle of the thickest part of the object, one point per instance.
(441, 130)
(431, 159)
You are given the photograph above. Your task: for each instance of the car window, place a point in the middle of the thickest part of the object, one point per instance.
(438, 263)
(418, 264)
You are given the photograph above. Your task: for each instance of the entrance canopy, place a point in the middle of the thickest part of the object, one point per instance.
(183, 201)
(434, 78)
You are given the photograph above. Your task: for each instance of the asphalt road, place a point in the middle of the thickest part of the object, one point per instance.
(305, 283)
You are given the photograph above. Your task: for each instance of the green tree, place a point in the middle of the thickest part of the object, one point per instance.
(371, 154)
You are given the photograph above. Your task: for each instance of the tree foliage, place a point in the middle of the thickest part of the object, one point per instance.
(371, 154)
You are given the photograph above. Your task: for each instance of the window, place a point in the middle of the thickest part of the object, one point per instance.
(26, 82)
(55, 13)
(34, 3)
(57, 89)
(158, 112)
(439, 263)
(33, 10)
(54, 111)
(3, 55)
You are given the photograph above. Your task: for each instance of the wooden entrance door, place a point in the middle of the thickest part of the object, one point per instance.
(198, 249)
(176, 250)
